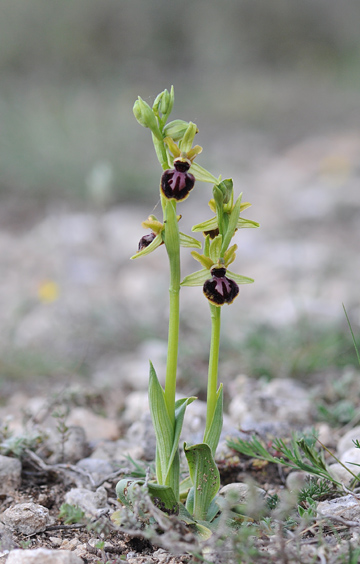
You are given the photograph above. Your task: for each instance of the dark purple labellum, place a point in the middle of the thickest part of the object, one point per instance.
(219, 289)
(177, 182)
(212, 233)
(145, 241)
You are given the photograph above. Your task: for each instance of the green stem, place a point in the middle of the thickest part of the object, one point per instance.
(172, 243)
(213, 365)
(161, 152)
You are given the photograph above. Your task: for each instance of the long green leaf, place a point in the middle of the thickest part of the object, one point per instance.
(164, 431)
(180, 407)
(205, 477)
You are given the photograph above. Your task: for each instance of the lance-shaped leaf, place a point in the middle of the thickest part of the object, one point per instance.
(205, 477)
(231, 227)
(238, 278)
(212, 434)
(196, 278)
(150, 248)
(188, 241)
(167, 436)
(162, 425)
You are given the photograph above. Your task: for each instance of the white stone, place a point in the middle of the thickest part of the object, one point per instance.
(90, 502)
(10, 474)
(27, 518)
(96, 427)
(43, 556)
(296, 480)
(340, 474)
(239, 493)
(346, 441)
(259, 401)
(346, 507)
(74, 447)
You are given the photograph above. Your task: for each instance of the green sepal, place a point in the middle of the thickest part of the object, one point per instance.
(242, 222)
(205, 477)
(150, 248)
(215, 248)
(202, 175)
(238, 278)
(188, 241)
(231, 227)
(204, 259)
(212, 434)
(196, 278)
(208, 225)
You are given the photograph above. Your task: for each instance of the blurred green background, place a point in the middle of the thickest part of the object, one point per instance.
(256, 76)
(71, 69)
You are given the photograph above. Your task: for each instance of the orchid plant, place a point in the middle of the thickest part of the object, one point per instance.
(176, 152)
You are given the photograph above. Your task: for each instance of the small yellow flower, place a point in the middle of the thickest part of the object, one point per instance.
(48, 291)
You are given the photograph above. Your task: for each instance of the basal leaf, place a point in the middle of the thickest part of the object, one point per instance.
(205, 477)
(162, 425)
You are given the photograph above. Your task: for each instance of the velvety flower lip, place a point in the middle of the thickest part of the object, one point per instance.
(177, 183)
(146, 240)
(219, 289)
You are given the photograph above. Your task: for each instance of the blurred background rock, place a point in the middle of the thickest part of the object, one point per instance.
(274, 89)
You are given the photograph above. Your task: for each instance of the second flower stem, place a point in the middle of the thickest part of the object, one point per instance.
(213, 365)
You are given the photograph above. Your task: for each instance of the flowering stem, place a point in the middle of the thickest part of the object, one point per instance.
(172, 243)
(213, 365)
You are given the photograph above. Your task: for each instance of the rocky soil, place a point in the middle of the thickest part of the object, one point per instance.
(80, 321)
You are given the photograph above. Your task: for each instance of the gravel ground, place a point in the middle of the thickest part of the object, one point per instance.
(71, 303)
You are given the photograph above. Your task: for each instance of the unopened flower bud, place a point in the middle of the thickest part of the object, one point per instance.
(219, 289)
(177, 183)
(145, 116)
(145, 241)
(176, 129)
